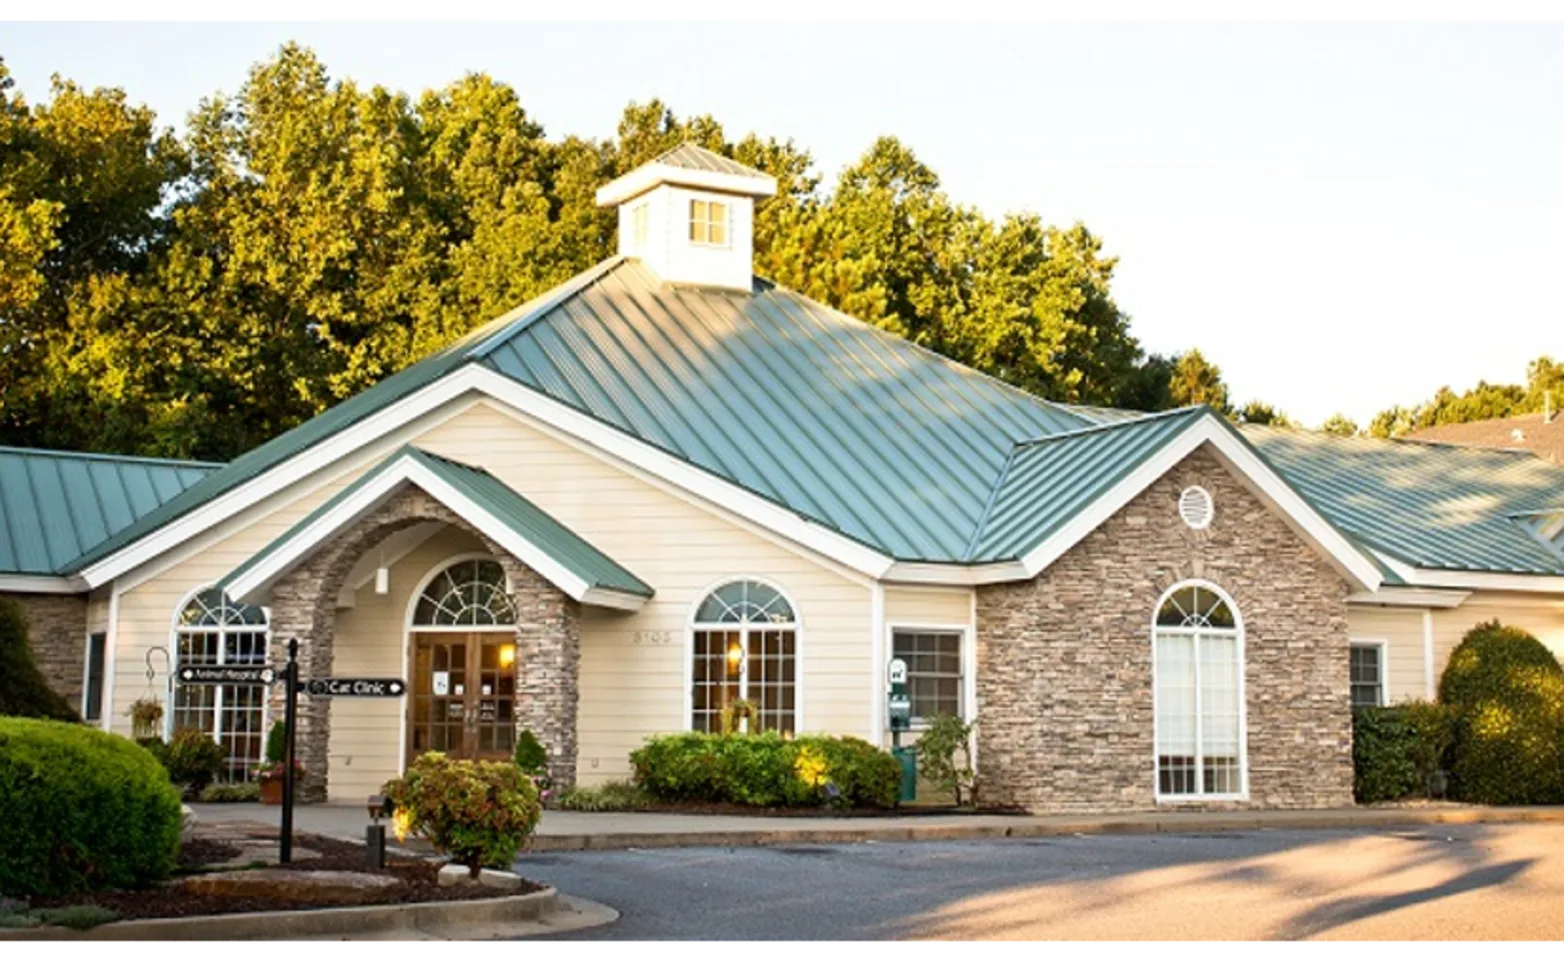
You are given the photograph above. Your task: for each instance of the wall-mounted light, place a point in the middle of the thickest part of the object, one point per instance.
(507, 655)
(382, 581)
(735, 657)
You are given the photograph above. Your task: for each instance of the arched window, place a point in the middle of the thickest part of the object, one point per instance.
(213, 630)
(1198, 677)
(744, 645)
(468, 593)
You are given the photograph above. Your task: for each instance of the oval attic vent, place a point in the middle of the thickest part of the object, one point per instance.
(1195, 507)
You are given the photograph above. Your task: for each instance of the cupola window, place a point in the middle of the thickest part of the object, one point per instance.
(709, 222)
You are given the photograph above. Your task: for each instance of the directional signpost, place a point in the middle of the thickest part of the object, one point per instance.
(355, 687)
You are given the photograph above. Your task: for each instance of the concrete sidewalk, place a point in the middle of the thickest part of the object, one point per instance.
(566, 830)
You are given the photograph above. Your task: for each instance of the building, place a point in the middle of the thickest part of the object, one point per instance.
(668, 484)
(1541, 433)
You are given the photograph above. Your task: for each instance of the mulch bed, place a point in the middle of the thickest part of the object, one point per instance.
(736, 810)
(419, 883)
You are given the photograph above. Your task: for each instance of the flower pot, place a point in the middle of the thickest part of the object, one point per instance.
(271, 792)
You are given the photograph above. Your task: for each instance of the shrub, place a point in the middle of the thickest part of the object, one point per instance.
(193, 760)
(1396, 751)
(530, 755)
(231, 793)
(82, 809)
(939, 748)
(612, 796)
(1507, 694)
(277, 743)
(478, 812)
(765, 770)
(23, 690)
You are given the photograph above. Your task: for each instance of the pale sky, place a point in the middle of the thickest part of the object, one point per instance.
(1341, 217)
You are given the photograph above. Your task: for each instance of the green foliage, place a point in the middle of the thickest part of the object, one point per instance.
(613, 796)
(193, 760)
(1486, 401)
(277, 743)
(81, 916)
(307, 236)
(766, 770)
(944, 757)
(1339, 425)
(1196, 380)
(23, 690)
(1264, 414)
(1507, 694)
(1397, 750)
(530, 756)
(231, 793)
(479, 813)
(82, 809)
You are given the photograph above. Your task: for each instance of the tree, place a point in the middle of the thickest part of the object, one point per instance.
(1339, 425)
(1197, 380)
(1486, 401)
(1263, 414)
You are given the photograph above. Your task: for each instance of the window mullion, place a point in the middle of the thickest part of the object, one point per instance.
(1200, 730)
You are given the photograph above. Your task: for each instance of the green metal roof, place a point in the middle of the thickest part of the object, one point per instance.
(499, 501)
(689, 156)
(55, 506)
(1428, 505)
(1049, 480)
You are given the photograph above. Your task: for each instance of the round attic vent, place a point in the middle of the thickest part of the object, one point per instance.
(1195, 507)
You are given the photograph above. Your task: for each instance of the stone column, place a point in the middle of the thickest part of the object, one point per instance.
(548, 665)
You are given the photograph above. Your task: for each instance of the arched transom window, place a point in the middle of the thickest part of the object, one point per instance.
(1198, 676)
(468, 593)
(213, 630)
(744, 646)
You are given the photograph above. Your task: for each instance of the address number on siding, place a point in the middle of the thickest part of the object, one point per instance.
(654, 636)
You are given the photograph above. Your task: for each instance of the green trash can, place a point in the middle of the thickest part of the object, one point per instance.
(908, 756)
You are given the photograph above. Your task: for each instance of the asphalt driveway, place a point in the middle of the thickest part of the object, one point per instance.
(1446, 882)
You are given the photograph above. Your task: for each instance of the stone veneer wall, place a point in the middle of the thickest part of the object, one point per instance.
(548, 641)
(1064, 660)
(57, 631)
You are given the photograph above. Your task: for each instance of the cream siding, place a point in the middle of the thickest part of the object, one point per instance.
(1401, 628)
(928, 606)
(1542, 617)
(634, 666)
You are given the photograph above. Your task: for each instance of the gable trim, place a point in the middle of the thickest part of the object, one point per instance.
(249, 582)
(1343, 554)
(1472, 579)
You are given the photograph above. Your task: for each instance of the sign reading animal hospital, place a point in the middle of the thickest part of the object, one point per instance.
(355, 687)
(225, 676)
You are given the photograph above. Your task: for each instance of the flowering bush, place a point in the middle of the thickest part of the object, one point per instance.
(276, 770)
(478, 812)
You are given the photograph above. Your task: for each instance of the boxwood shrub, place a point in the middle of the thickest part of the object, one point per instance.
(1507, 694)
(82, 809)
(1397, 750)
(765, 770)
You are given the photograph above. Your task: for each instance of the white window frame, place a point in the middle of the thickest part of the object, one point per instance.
(726, 223)
(1383, 646)
(86, 678)
(413, 626)
(177, 629)
(692, 624)
(1238, 633)
(964, 698)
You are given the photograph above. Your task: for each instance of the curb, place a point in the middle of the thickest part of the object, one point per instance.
(324, 922)
(1049, 827)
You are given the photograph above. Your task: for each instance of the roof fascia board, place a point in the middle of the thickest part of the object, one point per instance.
(1473, 579)
(955, 575)
(654, 175)
(1344, 555)
(1394, 596)
(41, 583)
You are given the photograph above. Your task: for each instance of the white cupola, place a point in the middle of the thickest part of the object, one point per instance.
(689, 215)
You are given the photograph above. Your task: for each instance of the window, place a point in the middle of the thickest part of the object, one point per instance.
(933, 659)
(468, 593)
(744, 645)
(92, 687)
(212, 629)
(1197, 675)
(1368, 674)
(709, 222)
(638, 215)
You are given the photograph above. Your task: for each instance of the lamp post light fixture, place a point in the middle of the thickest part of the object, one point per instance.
(375, 834)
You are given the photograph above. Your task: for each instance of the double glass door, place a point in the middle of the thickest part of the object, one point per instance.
(464, 694)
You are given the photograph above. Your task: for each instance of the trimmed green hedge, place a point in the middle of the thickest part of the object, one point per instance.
(1507, 693)
(81, 809)
(1397, 750)
(765, 770)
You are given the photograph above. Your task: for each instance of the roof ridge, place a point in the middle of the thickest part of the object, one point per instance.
(111, 457)
(988, 507)
(1116, 425)
(509, 324)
